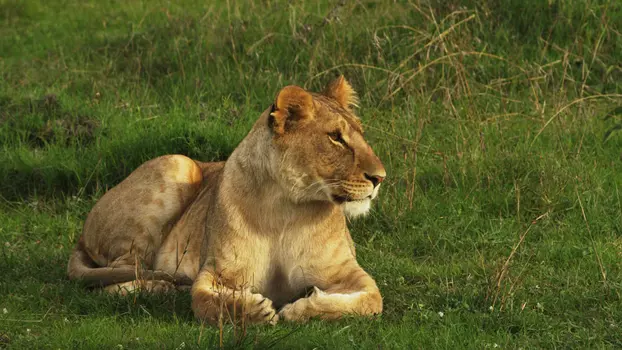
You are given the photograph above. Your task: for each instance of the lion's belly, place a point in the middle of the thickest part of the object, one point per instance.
(180, 252)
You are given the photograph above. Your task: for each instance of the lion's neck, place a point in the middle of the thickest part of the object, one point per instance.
(248, 170)
(249, 178)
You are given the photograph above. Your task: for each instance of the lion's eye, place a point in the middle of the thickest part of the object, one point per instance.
(337, 138)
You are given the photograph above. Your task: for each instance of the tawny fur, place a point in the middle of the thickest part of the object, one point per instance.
(262, 236)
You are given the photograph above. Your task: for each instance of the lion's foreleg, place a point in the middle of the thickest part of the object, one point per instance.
(356, 293)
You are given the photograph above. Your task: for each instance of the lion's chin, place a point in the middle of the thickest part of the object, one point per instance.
(353, 209)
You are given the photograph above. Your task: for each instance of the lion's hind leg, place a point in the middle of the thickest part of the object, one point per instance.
(143, 286)
(124, 231)
(146, 281)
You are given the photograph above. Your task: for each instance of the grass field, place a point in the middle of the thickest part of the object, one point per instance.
(499, 121)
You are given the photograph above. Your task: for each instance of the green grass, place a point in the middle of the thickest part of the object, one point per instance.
(500, 224)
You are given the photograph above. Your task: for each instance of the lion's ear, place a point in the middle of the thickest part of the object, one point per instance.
(292, 105)
(342, 91)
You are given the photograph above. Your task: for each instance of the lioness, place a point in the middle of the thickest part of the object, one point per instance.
(252, 235)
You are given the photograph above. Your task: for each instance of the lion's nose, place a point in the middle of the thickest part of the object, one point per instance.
(375, 179)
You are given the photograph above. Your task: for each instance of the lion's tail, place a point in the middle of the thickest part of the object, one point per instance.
(82, 267)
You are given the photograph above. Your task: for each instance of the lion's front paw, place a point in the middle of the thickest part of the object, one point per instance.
(298, 311)
(259, 309)
(215, 308)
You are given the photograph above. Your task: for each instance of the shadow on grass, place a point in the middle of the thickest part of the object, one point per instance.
(82, 161)
(167, 307)
(42, 279)
(45, 121)
(51, 180)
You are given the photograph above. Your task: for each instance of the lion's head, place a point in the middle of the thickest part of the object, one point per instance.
(322, 154)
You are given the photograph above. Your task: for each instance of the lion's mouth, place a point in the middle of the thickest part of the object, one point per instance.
(347, 199)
